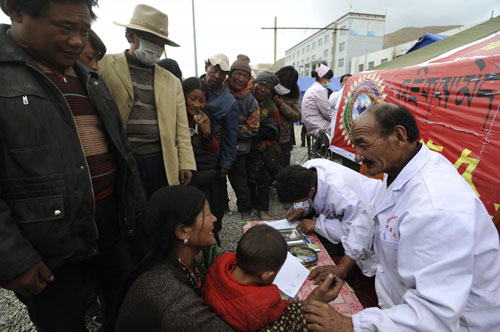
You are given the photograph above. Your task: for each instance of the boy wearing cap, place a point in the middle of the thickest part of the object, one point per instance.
(151, 102)
(249, 117)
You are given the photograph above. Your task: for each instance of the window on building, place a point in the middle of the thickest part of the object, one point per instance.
(320, 42)
(371, 64)
(313, 45)
(341, 47)
(325, 53)
(361, 67)
(341, 62)
(342, 31)
(302, 61)
(384, 60)
(308, 48)
(303, 50)
(326, 38)
(312, 57)
(307, 60)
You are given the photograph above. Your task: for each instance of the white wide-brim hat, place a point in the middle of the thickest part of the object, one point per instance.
(150, 20)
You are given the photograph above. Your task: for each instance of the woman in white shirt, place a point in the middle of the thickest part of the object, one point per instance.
(316, 110)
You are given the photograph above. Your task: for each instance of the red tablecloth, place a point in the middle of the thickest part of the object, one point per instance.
(346, 303)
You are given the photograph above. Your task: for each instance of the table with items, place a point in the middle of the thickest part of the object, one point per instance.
(346, 303)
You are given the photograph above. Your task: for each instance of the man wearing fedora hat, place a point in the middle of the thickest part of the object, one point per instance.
(69, 187)
(151, 102)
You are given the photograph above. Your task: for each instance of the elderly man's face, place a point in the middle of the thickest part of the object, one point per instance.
(239, 79)
(378, 154)
(261, 91)
(215, 76)
(59, 35)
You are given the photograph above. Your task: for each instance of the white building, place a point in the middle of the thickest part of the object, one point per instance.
(358, 34)
(370, 60)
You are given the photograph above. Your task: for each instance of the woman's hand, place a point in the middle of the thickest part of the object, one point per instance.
(328, 290)
(294, 214)
(306, 226)
(203, 123)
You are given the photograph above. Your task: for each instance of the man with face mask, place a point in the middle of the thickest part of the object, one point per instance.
(151, 102)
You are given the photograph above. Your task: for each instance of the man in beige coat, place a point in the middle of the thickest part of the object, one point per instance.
(151, 102)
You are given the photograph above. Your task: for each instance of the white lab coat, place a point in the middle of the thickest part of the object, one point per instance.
(334, 101)
(341, 195)
(316, 110)
(438, 252)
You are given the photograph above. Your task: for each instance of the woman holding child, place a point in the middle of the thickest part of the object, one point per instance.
(164, 291)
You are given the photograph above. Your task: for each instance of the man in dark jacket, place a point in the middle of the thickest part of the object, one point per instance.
(69, 188)
(224, 110)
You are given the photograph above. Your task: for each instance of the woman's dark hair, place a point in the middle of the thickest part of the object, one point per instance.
(389, 116)
(37, 8)
(288, 77)
(97, 44)
(168, 208)
(328, 75)
(172, 66)
(294, 183)
(193, 83)
(262, 248)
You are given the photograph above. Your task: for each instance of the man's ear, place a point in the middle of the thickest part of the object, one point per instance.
(312, 191)
(268, 277)
(400, 135)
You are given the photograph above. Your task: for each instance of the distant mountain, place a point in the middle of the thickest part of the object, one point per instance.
(408, 34)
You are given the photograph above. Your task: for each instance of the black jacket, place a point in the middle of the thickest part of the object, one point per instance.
(46, 198)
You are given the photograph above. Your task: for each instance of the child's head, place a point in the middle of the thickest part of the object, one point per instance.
(261, 252)
(296, 183)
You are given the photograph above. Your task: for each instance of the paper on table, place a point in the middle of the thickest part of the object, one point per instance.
(283, 224)
(291, 276)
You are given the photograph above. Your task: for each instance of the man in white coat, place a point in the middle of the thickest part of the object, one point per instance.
(438, 251)
(336, 193)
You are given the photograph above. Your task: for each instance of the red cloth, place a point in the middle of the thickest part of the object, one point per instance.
(246, 307)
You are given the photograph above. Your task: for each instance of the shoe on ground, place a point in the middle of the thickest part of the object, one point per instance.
(247, 216)
(264, 215)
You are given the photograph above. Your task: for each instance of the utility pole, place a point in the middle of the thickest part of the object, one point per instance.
(275, 37)
(194, 38)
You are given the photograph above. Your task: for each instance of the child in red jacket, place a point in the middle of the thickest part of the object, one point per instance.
(239, 286)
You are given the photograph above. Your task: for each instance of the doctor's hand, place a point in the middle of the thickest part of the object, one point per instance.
(306, 226)
(319, 273)
(293, 214)
(32, 281)
(328, 290)
(321, 317)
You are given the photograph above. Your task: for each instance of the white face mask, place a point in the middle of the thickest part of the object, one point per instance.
(148, 52)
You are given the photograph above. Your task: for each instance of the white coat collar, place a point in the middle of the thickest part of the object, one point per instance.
(386, 200)
(411, 169)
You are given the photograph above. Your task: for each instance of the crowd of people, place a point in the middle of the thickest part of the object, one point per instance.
(113, 188)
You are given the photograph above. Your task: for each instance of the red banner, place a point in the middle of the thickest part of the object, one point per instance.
(456, 101)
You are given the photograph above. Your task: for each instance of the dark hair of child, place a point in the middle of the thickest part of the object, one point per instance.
(262, 248)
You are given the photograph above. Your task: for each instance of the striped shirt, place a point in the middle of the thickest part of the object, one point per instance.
(100, 160)
(142, 126)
